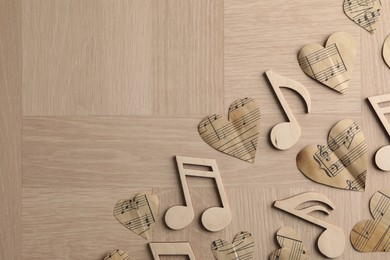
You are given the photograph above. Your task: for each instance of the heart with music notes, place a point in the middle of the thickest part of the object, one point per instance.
(340, 164)
(291, 246)
(117, 255)
(364, 13)
(373, 235)
(236, 134)
(330, 65)
(242, 247)
(138, 214)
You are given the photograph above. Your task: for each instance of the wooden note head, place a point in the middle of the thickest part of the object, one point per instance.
(178, 217)
(285, 135)
(331, 242)
(382, 158)
(216, 218)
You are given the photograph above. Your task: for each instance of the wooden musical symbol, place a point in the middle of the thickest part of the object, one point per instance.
(331, 242)
(285, 135)
(117, 255)
(291, 245)
(383, 154)
(172, 249)
(242, 247)
(386, 51)
(214, 218)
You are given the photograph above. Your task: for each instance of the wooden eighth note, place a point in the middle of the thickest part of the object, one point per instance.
(171, 249)
(383, 154)
(214, 218)
(331, 242)
(285, 135)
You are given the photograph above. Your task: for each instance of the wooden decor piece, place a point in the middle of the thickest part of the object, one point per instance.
(117, 255)
(214, 218)
(235, 135)
(242, 247)
(332, 65)
(386, 51)
(331, 242)
(285, 135)
(174, 248)
(364, 13)
(291, 246)
(342, 163)
(383, 154)
(139, 214)
(373, 235)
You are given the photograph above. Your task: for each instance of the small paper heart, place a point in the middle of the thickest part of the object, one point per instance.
(373, 235)
(364, 13)
(138, 214)
(342, 163)
(235, 135)
(117, 255)
(291, 246)
(241, 248)
(332, 65)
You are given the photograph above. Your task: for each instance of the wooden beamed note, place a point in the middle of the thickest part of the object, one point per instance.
(287, 134)
(174, 248)
(331, 242)
(382, 156)
(214, 218)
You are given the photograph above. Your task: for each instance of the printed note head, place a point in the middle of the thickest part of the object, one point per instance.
(216, 218)
(178, 217)
(285, 135)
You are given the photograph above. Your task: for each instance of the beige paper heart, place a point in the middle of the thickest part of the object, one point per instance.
(342, 163)
(139, 214)
(241, 248)
(373, 235)
(332, 65)
(117, 255)
(291, 246)
(386, 51)
(235, 135)
(364, 13)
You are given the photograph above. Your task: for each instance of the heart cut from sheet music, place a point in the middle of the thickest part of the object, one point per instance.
(330, 65)
(138, 214)
(363, 13)
(291, 246)
(373, 235)
(241, 248)
(342, 163)
(235, 135)
(117, 255)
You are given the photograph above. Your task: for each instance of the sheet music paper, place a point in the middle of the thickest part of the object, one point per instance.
(365, 13)
(138, 214)
(374, 235)
(117, 255)
(342, 163)
(242, 247)
(292, 247)
(235, 135)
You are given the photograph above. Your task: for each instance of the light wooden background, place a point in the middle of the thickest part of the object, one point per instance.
(97, 96)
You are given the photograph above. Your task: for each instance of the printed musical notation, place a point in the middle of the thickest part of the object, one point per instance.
(332, 65)
(285, 135)
(242, 247)
(331, 242)
(214, 218)
(236, 135)
(117, 255)
(172, 249)
(292, 247)
(342, 163)
(374, 235)
(139, 214)
(364, 13)
(383, 154)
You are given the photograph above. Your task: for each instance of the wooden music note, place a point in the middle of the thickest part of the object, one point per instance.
(383, 154)
(117, 255)
(171, 249)
(386, 51)
(285, 135)
(291, 245)
(331, 242)
(214, 218)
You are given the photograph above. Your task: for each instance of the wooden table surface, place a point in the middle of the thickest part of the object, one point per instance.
(96, 98)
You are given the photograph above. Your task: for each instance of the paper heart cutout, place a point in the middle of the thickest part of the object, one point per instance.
(139, 214)
(117, 255)
(291, 246)
(241, 248)
(235, 135)
(342, 163)
(373, 235)
(386, 51)
(363, 13)
(332, 65)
